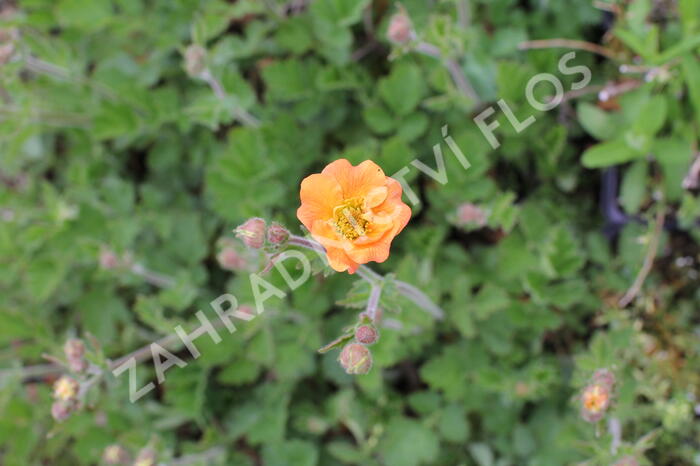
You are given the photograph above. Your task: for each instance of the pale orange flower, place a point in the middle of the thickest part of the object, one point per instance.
(595, 400)
(354, 212)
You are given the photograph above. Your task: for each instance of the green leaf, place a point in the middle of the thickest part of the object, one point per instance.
(88, 16)
(357, 296)
(562, 255)
(100, 311)
(691, 71)
(290, 79)
(43, 277)
(339, 12)
(412, 126)
(403, 89)
(453, 424)
(689, 14)
(489, 300)
(378, 119)
(239, 372)
(599, 124)
(114, 119)
(408, 443)
(674, 154)
(345, 452)
(642, 45)
(609, 153)
(295, 34)
(634, 187)
(688, 44)
(291, 453)
(652, 116)
(482, 454)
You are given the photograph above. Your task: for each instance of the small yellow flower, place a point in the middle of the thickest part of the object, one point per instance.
(595, 400)
(146, 457)
(115, 454)
(66, 388)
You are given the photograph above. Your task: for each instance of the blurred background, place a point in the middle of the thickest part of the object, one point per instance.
(136, 135)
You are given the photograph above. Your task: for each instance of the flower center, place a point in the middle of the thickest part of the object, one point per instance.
(595, 398)
(348, 220)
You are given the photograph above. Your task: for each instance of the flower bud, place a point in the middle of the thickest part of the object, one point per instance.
(61, 410)
(195, 60)
(74, 350)
(115, 454)
(66, 388)
(252, 232)
(230, 259)
(277, 234)
(108, 259)
(77, 365)
(604, 377)
(470, 214)
(366, 334)
(8, 40)
(146, 457)
(400, 28)
(627, 461)
(595, 400)
(355, 359)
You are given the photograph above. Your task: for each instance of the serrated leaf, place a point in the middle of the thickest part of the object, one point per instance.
(562, 255)
(403, 89)
(357, 296)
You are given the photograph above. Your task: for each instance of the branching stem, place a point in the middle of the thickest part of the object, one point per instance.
(375, 280)
(568, 44)
(648, 259)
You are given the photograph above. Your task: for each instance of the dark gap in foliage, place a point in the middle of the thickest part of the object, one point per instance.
(136, 164)
(524, 5)
(510, 177)
(561, 341)
(406, 379)
(483, 236)
(189, 431)
(60, 147)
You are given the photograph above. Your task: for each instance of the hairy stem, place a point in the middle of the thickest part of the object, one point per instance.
(568, 44)
(239, 113)
(373, 302)
(407, 290)
(152, 277)
(456, 73)
(648, 260)
(204, 457)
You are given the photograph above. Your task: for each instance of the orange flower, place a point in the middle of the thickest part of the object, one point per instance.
(354, 212)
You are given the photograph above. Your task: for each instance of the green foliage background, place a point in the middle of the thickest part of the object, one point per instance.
(107, 143)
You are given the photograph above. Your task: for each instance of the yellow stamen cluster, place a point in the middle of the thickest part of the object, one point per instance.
(65, 388)
(348, 219)
(595, 398)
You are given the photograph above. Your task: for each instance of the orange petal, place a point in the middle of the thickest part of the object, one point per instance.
(319, 195)
(376, 252)
(340, 261)
(355, 181)
(335, 246)
(376, 196)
